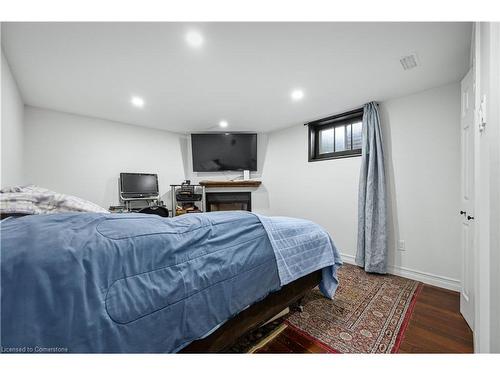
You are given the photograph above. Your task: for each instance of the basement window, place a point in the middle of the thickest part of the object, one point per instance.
(336, 136)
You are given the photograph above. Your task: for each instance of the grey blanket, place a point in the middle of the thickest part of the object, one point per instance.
(31, 199)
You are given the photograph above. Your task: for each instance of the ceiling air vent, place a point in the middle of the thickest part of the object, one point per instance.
(409, 62)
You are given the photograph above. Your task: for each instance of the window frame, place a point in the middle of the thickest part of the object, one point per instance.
(328, 123)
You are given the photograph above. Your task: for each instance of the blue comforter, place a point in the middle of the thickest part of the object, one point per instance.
(141, 283)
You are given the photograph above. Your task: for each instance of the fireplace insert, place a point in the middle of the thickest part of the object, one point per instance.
(229, 201)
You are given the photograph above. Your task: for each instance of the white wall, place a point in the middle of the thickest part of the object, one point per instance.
(11, 129)
(323, 191)
(84, 156)
(422, 139)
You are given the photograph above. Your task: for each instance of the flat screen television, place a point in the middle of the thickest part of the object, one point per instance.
(215, 152)
(138, 185)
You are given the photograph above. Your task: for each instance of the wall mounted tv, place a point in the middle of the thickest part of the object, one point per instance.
(213, 152)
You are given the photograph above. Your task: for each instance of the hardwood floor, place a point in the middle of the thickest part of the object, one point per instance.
(436, 326)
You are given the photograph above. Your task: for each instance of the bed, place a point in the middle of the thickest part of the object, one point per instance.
(136, 283)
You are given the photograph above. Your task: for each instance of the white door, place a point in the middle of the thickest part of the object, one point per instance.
(467, 198)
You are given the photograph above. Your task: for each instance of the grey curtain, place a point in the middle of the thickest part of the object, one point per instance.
(372, 202)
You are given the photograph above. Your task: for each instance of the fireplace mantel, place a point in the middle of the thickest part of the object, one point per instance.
(228, 184)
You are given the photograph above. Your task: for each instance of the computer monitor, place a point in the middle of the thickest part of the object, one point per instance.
(138, 185)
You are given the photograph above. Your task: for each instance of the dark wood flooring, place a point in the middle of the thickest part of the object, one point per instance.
(436, 326)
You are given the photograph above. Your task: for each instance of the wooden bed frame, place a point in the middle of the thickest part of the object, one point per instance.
(254, 316)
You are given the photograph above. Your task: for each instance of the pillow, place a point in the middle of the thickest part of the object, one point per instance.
(33, 199)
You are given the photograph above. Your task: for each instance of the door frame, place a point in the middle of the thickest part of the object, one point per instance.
(477, 188)
(486, 42)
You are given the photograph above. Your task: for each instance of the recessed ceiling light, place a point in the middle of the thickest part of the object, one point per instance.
(137, 101)
(297, 94)
(223, 124)
(194, 39)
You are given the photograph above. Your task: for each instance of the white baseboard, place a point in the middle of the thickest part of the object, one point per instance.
(424, 277)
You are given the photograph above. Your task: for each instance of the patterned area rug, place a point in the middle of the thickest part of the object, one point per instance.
(369, 313)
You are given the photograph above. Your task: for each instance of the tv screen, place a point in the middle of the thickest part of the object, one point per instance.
(139, 184)
(224, 152)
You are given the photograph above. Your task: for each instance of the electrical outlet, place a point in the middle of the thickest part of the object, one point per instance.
(401, 245)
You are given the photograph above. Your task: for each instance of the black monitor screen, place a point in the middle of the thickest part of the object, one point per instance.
(224, 152)
(139, 184)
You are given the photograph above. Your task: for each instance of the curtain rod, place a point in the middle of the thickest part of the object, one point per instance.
(337, 116)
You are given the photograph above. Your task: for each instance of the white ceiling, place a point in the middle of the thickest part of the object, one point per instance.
(243, 73)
